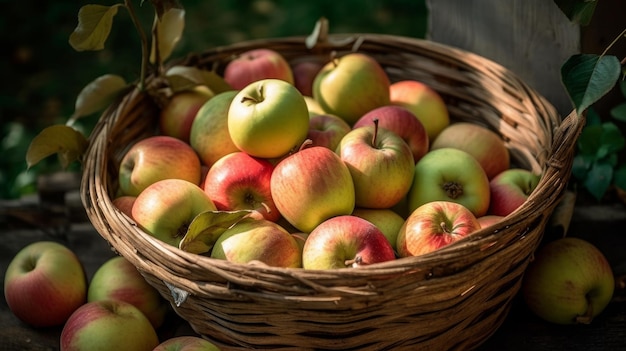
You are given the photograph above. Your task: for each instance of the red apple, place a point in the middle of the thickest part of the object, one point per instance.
(44, 284)
(402, 122)
(156, 158)
(489, 220)
(304, 72)
(239, 181)
(186, 343)
(510, 189)
(435, 225)
(388, 221)
(344, 242)
(178, 114)
(327, 130)
(257, 64)
(125, 203)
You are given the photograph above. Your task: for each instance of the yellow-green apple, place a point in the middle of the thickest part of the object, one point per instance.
(381, 164)
(186, 343)
(351, 85)
(450, 174)
(327, 130)
(44, 284)
(345, 242)
(257, 64)
(239, 181)
(155, 158)
(479, 141)
(434, 225)
(118, 279)
(166, 208)
(177, 116)
(108, 325)
(388, 221)
(489, 220)
(570, 281)
(304, 73)
(252, 239)
(510, 189)
(313, 105)
(125, 203)
(402, 122)
(268, 118)
(312, 185)
(209, 134)
(425, 103)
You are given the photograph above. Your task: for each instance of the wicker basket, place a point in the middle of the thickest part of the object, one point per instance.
(454, 298)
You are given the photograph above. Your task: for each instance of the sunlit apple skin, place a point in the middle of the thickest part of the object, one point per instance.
(402, 122)
(257, 64)
(425, 103)
(481, 142)
(313, 106)
(166, 208)
(312, 185)
(268, 118)
(239, 181)
(351, 85)
(108, 325)
(435, 225)
(258, 240)
(388, 221)
(570, 281)
(381, 165)
(209, 135)
(510, 189)
(345, 242)
(156, 158)
(118, 279)
(177, 116)
(44, 284)
(304, 72)
(327, 130)
(186, 343)
(450, 174)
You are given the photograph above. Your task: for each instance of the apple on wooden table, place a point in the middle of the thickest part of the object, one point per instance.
(257, 64)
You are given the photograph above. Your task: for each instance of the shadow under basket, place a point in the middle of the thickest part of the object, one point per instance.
(451, 299)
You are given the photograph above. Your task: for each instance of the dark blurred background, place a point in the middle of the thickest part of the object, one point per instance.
(42, 75)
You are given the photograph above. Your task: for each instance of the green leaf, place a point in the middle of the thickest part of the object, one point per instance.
(97, 95)
(581, 165)
(578, 11)
(65, 141)
(186, 77)
(619, 112)
(94, 27)
(169, 29)
(207, 227)
(588, 77)
(599, 179)
(589, 140)
(619, 177)
(611, 141)
(622, 86)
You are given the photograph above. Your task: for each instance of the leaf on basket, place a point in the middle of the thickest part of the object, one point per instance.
(185, 77)
(588, 77)
(169, 30)
(94, 27)
(63, 140)
(98, 94)
(207, 227)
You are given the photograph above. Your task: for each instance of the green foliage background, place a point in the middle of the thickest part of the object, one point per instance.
(42, 74)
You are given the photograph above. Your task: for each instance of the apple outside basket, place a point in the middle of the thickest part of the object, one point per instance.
(451, 299)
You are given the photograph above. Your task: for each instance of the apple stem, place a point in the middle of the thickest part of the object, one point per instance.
(444, 227)
(305, 143)
(588, 316)
(375, 136)
(355, 262)
(333, 58)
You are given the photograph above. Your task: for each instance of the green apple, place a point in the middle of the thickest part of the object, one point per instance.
(178, 115)
(268, 118)
(388, 221)
(186, 343)
(569, 281)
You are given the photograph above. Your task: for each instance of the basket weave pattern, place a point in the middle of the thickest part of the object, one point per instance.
(454, 298)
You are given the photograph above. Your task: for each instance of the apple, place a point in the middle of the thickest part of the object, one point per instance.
(125, 203)
(510, 189)
(155, 158)
(312, 185)
(450, 174)
(300, 238)
(186, 343)
(481, 142)
(313, 106)
(327, 130)
(268, 118)
(177, 116)
(388, 221)
(209, 135)
(425, 103)
(402, 122)
(351, 85)
(434, 225)
(252, 239)
(108, 325)
(304, 72)
(489, 220)
(44, 284)
(345, 242)
(569, 281)
(118, 279)
(257, 64)
(381, 164)
(239, 181)
(166, 208)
